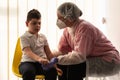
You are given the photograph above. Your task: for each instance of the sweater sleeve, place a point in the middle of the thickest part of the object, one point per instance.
(71, 58)
(83, 43)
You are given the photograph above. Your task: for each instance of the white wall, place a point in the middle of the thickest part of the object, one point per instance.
(110, 10)
(113, 21)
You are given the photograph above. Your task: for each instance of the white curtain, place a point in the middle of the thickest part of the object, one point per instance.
(12, 25)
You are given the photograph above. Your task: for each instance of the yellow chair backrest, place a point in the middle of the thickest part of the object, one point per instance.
(17, 59)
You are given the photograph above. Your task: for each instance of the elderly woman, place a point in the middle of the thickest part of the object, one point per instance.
(83, 43)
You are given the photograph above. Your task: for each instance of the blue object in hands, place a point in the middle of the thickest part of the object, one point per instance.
(51, 64)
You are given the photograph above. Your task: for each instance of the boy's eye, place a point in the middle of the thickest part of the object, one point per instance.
(35, 23)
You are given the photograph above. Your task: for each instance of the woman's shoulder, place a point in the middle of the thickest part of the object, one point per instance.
(86, 24)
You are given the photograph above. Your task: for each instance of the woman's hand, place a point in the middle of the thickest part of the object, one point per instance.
(59, 71)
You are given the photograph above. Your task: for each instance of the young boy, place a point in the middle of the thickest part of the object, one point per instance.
(36, 51)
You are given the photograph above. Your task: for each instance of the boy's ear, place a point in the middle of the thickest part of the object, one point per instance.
(26, 23)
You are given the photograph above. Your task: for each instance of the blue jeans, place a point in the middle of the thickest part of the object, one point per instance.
(30, 69)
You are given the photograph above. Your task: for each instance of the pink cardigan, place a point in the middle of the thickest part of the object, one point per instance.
(88, 42)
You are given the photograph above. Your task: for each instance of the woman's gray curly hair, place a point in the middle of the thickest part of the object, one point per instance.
(69, 10)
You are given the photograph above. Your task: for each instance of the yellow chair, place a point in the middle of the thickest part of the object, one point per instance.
(16, 62)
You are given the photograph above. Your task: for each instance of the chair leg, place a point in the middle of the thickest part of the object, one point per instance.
(39, 79)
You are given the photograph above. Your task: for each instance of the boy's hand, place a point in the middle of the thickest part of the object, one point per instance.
(43, 61)
(51, 64)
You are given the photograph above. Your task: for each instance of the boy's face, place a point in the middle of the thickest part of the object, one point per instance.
(34, 25)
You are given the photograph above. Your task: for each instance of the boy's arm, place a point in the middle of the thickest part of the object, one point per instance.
(32, 55)
(50, 56)
(48, 52)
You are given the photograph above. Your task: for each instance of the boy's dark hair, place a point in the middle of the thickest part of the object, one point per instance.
(33, 14)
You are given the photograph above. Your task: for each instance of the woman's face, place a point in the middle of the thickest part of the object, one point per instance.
(66, 21)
